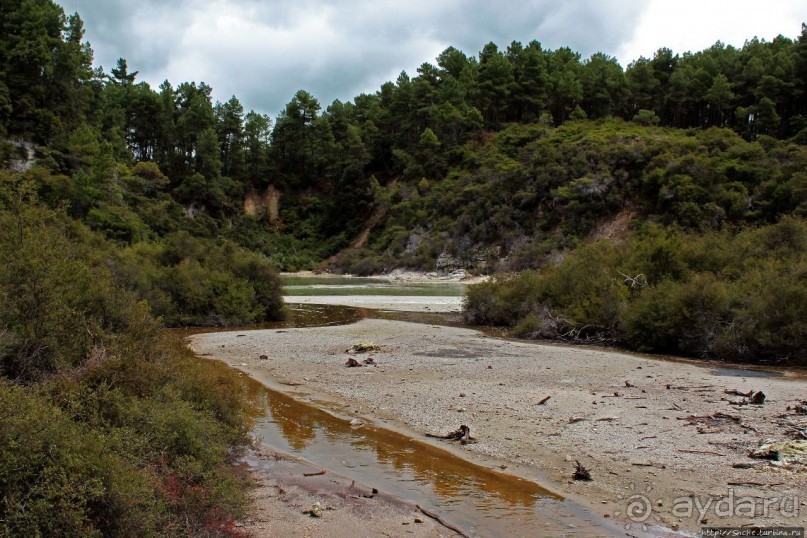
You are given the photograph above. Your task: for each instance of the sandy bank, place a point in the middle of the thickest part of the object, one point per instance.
(644, 427)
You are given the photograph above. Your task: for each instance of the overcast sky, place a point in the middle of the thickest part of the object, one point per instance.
(263, 51)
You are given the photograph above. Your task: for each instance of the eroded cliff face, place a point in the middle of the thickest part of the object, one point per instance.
(26, 156)
(264, 204)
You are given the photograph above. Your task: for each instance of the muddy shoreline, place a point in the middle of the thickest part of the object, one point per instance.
(287, 488)
(633, 421)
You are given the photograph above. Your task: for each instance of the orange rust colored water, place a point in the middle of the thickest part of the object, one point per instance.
(481, 500)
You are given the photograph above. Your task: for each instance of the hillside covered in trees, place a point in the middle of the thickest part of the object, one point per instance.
(108, 427)
(137, 163)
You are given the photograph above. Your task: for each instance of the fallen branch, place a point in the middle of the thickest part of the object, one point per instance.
(542, 402)
(746, 465)
(363, 347)
(754, 484)
(735, 392)
(443, 522)
(700, 452)
(463, 435)
(317, 473)
(710, 430)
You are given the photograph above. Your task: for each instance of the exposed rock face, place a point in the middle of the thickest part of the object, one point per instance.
(615, 228)
(415, 238)
(266, 204)
(27, 151)
(478, 260)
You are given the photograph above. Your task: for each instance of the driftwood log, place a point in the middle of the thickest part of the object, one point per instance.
(462, 434)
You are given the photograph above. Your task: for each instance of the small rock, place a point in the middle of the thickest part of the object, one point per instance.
(264, 357)
(418, 520)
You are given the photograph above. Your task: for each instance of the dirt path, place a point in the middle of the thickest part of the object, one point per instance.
(659, 437)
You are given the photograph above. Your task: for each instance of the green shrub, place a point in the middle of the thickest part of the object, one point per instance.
(738, 296)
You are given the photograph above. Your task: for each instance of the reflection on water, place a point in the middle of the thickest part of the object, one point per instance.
(745, 372)
(475, 497)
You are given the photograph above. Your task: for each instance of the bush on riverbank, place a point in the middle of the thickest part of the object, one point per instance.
(739, 296)
(106, 428)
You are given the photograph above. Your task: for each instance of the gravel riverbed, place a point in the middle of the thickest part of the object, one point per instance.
(664, 431)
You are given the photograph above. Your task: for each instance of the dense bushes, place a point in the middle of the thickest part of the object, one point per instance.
(739, 296)
(108, 428)
(122, 446)
(532, 190)
(191, 281)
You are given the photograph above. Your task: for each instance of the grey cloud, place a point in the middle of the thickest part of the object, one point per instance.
(264, 51)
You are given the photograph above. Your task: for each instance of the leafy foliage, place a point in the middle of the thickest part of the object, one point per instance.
(733, 296)
(107, 428)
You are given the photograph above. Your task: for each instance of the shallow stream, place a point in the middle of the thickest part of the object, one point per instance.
(481, 500)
